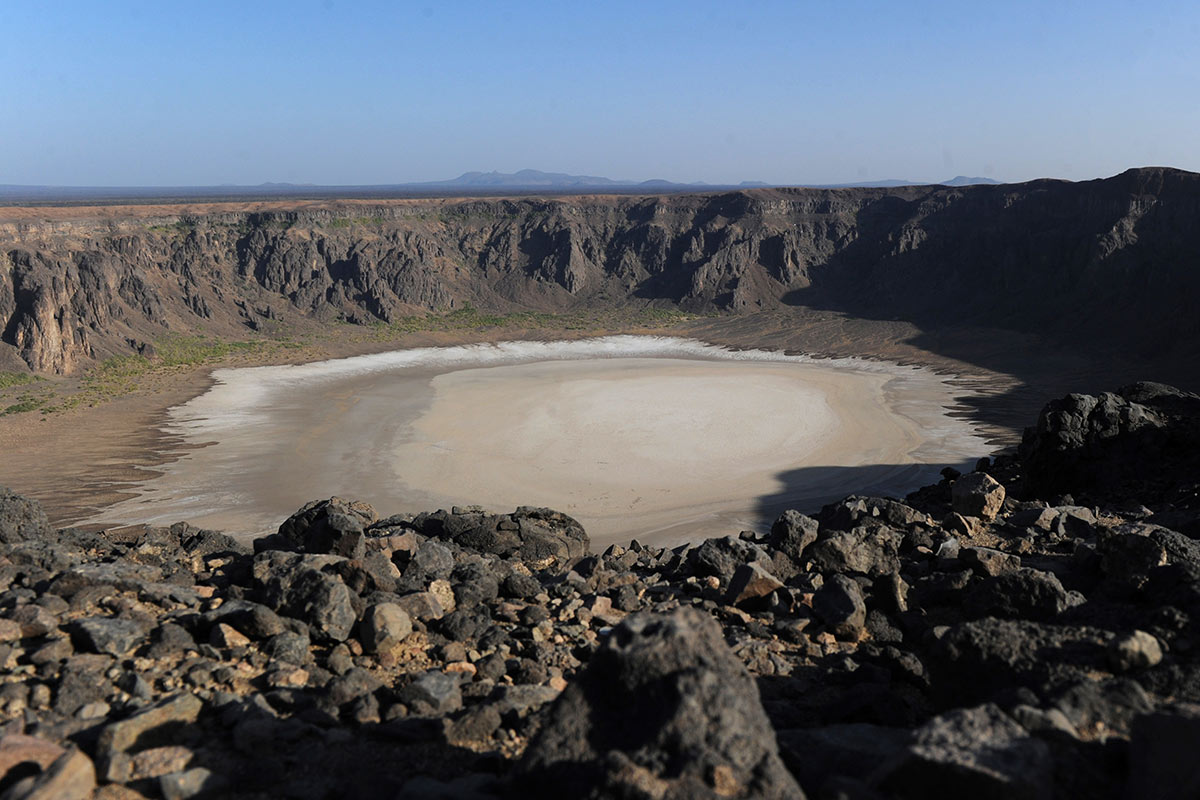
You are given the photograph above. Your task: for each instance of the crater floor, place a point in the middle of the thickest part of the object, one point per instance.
(659, 439)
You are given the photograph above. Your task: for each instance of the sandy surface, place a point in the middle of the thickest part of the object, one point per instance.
(648, 437)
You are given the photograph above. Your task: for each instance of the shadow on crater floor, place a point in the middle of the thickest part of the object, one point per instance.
(806, 489)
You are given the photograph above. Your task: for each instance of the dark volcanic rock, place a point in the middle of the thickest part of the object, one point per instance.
(750, 585)
(21, 519)
(1162, 755)
(854, 751)
(384, 626)
(1020, 594)
(840, 604)
(855, 510)
(867, 549)
(667, 706)
(721, 557)
(116, 637)
(975, 660)
(535, 535)
(297, 586)
(792, 533)
(467, 652)
(324, 526)
(1144, 434)
(978, 753)
(433, 693)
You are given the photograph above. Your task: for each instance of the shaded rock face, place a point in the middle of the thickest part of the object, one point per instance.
(979, 752)
(931, 255)
(1145, 434)
(666, 704)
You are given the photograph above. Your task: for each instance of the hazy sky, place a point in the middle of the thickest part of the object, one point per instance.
(338, 92)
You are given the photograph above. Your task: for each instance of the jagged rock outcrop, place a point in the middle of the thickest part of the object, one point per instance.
(663, 707)
(1144, 435)
(1010, 256)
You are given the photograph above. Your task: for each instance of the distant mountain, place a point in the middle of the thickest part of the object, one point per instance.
(526, 179)
(892, 183)
(483, 184)
(962, 180)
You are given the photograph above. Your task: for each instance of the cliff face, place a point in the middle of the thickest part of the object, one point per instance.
(1114, 260)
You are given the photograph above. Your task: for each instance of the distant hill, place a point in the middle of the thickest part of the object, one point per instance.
(891, 183)
(526, 181)
(536, 179)
(527, 178)
(962, 180)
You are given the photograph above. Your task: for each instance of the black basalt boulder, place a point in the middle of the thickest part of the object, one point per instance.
(21, 519)
(663, 707)
(1142, 439)
(332, 526)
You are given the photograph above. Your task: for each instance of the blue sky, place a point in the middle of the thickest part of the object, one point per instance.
(338, 92)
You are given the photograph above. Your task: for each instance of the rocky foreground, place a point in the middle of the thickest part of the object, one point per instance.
(1028, 630)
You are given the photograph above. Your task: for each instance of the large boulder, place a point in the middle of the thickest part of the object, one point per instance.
(721, 557)
(537, 536)
(663, 707)
(791, 533)
(323, 526)
(304, 587)
(21, 519)
(855, 510)
(980, 753)
(840, 605)
(977, 495)
(1021, 594)
(870, 549)
(1143, 438)
(974, 661)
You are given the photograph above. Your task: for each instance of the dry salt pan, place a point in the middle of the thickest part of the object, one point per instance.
(657, 438)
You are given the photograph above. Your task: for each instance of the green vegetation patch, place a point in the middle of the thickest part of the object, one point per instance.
(24, 403)
(469, 318)
(188, 351)
(8, 379)
(122, 375)
(182, 227)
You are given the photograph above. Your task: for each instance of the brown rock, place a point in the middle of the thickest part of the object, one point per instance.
(288, 676)
(70, 777)
(19, 749)
(384, 627)
(750, 584)
(10, 630)
(422, 605)
(444, 592)
(159, 761)
(227, 636)
(987, 561)
(977, 495)
(120, 736)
